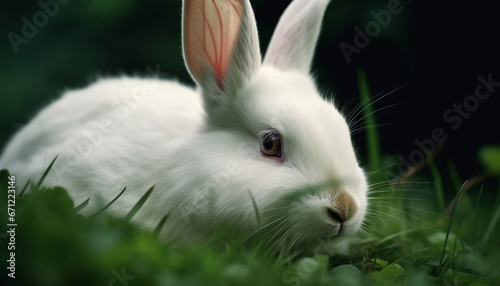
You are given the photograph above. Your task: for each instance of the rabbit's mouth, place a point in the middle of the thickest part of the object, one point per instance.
(334, 230)
(328, 229)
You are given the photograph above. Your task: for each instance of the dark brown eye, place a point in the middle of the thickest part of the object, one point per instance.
(271, 146)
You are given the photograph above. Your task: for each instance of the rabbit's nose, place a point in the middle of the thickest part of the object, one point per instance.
(343, 207)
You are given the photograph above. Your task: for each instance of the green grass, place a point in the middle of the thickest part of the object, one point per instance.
(56, 246)
(408, 239)
(372, 136)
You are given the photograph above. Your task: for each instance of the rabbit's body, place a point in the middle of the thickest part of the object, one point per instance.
(256, 146)
(94, 125)
(101, 119)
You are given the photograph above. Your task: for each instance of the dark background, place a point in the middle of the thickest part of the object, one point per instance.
(438, 49)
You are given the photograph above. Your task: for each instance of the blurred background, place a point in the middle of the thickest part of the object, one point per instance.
(437, 51)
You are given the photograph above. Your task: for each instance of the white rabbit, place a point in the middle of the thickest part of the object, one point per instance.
(254, 146)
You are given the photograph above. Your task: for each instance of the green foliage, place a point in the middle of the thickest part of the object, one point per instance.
(57, 246)
(489, 156)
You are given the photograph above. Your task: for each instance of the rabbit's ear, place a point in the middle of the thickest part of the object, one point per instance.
(294, 40)
(221, 45)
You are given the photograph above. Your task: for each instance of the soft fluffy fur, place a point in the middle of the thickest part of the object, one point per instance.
(201, 148)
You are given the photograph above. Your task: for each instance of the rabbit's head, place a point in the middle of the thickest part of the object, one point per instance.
(281, 154)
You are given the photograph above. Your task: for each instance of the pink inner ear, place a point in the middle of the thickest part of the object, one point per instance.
(210, 31)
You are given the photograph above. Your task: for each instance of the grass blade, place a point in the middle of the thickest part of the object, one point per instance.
(109, 204)
(255, 208)
(372, 135)
(449, 224)
(491, 227)
(438, 181)
(81, 206)
(24, 188)
(159, 226)
(454, 176)
(139, 204)
(39, 184)
(476, 210)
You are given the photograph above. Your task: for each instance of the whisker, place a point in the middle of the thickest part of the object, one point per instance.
(353, 124)
(391, 208)
(363, 105)
(262, 227)
(277, 232)
(393, 198)
(363, 128)
(284, 236)
(394, 217)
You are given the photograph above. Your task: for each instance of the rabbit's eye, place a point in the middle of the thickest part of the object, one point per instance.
(271, 145)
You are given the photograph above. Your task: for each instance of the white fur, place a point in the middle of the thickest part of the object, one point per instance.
(292, 45)
(202, 149)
